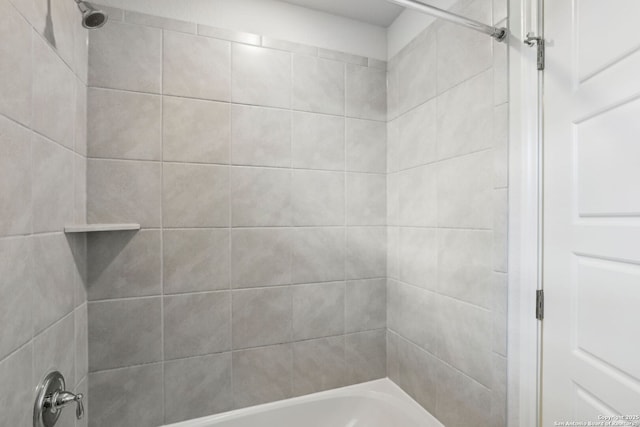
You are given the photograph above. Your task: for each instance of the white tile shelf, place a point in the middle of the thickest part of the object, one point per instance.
(90, 228)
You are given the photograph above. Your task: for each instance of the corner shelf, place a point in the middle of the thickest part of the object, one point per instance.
(91, 228)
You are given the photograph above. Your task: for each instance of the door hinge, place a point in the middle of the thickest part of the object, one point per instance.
(531, 40)
(540, 304)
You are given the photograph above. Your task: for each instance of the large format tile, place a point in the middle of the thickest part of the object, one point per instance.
(80, 137)
(195, 195)
(124, 125)
(123, 191)
(260, 136)
(366, 93)
(197, 387)
(318, 141)
(125, 56)
(53, 95)
(366, 146)
(52, 189)
(366, 356)
(260, 257)
(16, 376)
(501, 146)
(124, 264)
(196, 324)
(464, 265)
(260, 197)
(15, 179)
(261, 317)
(195, 131)
(318, 85)
(418, 197)
(465, 117)
(318, 365)
(261, 76)
(81, 333)
(366, 199)
(318, 255)
(460, 401)
(416, 137)
(15, 67)
(196, 66)
(418, 257)
(124, 332)
(53, 279)
(262, 375)
(501, 230)
(416, 72)
(16, 283)
(318, 310)
(465, 195)
(195, 260)
(411, 360)
(366, 252)
(411, 313)
(463, 52)
(365, 305)
(126, 397)
(317, 198)
(53, 350)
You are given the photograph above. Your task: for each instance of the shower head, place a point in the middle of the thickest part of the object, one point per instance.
(92, 18)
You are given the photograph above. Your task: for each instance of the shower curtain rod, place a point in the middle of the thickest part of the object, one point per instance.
(495, 32)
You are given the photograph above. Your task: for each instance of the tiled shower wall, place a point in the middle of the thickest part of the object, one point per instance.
(257, 170)
(447, 205)
(43, 57)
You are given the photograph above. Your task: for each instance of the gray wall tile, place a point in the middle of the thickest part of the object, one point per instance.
(156, 21)
(318, 255)
(366, 93)
(365, 305)
(418, 197)
(318, 365)
(260, 136)
(366, 146)
(366, 356)
(318, 310)
(225, 34)
(318, 141)
(417, 136)
(418, 257)
(318, 85)
(196, 324)
(197, 67)
(16, 376)
(15, 179)
(366, 199)
(81, 320)
(411, 313)
(366, 252)
(423, 387)
(261, 317)
(51, 351)
(460, 400)
(260, 257)
(260, 197)
(124, 332)
(416, 73)
(318, 197)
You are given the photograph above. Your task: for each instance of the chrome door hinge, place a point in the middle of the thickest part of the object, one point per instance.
(531, 40)
(540, 304)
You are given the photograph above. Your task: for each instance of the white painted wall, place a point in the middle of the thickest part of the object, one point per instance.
(271, 18)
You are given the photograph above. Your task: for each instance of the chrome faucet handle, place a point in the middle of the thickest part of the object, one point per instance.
(52, 398)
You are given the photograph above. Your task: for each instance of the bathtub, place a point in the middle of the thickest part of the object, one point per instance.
(378, 403)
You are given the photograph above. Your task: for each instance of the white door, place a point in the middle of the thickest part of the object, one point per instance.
(591, 330)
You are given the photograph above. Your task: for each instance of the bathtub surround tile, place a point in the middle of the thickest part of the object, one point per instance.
(195, 195)
(53, 185)
(63, 21)
(318, 255)
(124, 332)
(196, 260)
(366, 356)
(460, 400)
(500, 71)
(318, 365)
(124, 192)
(195, 131)
(53, 279)
(197, 387)
(15, 179)
(465, 117)
(260, 136)
(260, 197)
(317, 197)
(366, 252)
(260, 257)
(366, 305)
(318, 310)
(129, 397)
(366, 93)
(262, 375)
(418, 197)
(424, 386)
(501, 146)
(16, 66)
(417, 136)
(196, 324)
(418, 257)
(465, 264)
(81, 333)
(156, 21)
(342, 56)
(81, 119)
(230, 35)
(416, 73)
(499, 333)
(51, 351)
(126, 56)
(366, 199)
(124, 264)
(53, 91)
(500, 230)
(124, 125)
(412, 314)
(16, 375)
(261, 76)
(16, 289)
(318, 85)
(196, 67)
(499, 392)
(366, 146)
(318, 141)
(261, 317)
(462, 54)
(289, 46)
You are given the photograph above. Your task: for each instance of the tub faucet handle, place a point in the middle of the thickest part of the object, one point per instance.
(51, 398)
(60, 399)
